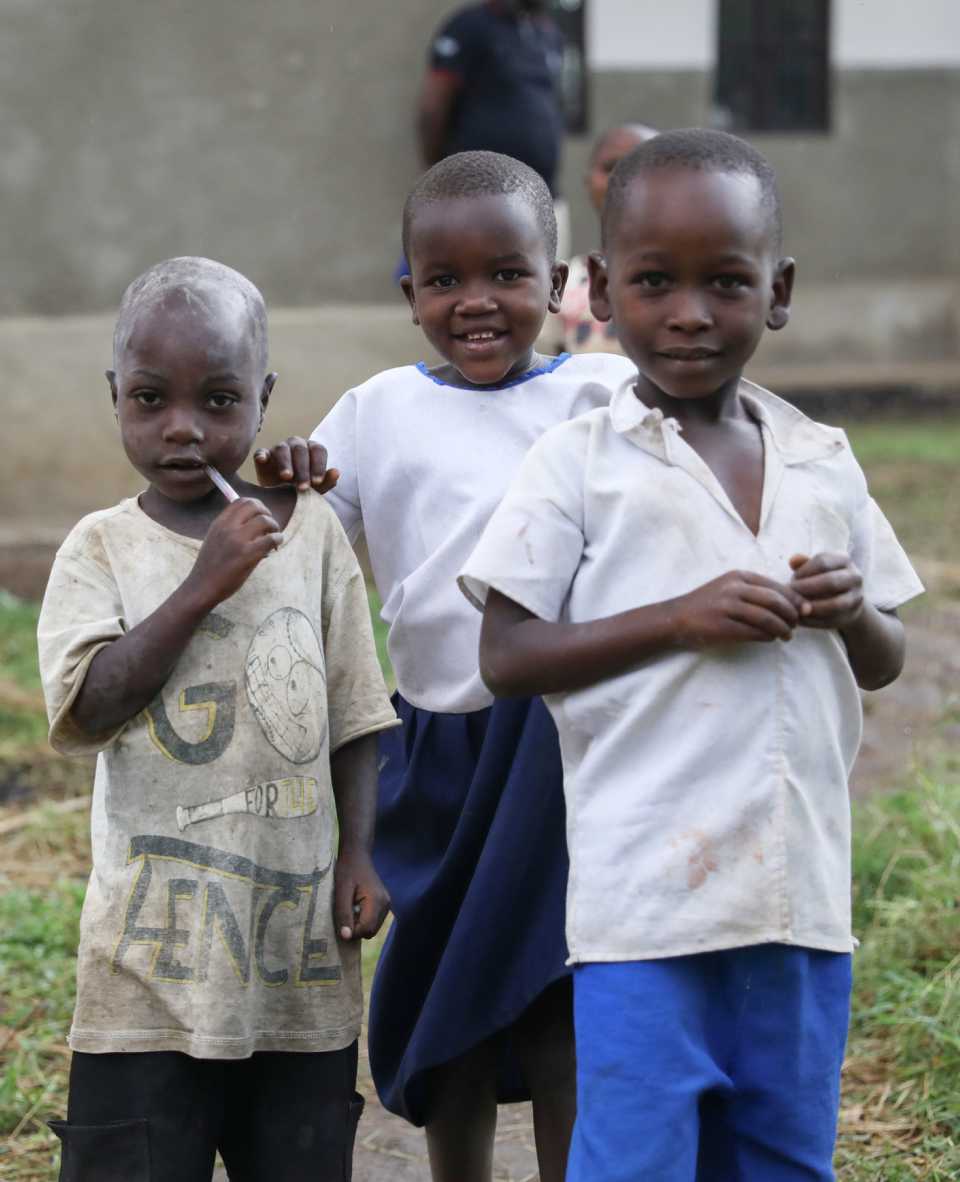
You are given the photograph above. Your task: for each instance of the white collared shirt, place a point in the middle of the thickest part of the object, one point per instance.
(707, 802)
(422, 466)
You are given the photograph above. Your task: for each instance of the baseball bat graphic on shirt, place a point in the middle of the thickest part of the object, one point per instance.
(287, 799)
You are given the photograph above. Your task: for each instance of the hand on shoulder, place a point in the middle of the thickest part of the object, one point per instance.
(296, 461)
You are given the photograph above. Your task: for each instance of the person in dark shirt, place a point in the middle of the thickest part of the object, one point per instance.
(493, 84)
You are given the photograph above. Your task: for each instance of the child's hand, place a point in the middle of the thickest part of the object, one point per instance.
(295, 461)
(239, 539)
(360, 900)
(832, 588)
(736, 607)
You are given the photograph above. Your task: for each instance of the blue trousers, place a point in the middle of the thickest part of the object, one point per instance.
(718, 1067)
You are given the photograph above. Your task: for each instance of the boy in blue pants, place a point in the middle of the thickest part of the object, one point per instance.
(698, 579)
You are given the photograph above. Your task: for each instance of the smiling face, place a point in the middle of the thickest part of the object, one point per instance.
(480, 283)
(189, 390)
(691, 278)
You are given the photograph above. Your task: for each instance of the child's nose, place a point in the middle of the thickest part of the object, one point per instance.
(689, 312)
(476, 300)
(181, 427)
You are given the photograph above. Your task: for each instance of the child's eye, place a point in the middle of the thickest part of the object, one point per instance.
(146, 397)
(509, 274)
(731, 282)
(221, 400)
(442, 281)
(653, 280)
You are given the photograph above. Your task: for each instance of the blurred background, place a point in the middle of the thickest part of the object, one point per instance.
(281, 139)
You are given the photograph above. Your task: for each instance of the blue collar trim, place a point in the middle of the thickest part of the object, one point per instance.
(518, 381)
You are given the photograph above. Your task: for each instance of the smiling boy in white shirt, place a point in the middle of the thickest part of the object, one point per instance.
(645, 570)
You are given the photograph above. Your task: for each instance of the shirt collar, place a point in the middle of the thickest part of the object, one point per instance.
(796, 437)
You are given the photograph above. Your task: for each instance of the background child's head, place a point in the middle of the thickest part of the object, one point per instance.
(691, 271)
(189, 380)
(480, 235)
(607, 152)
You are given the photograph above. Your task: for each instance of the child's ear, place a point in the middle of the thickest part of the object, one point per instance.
(779, 312)
(111, 377)
(559, 273)
(265, 391)
(406, 286)
(599, 287)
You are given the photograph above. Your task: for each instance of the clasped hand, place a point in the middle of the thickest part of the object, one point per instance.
(826, 591)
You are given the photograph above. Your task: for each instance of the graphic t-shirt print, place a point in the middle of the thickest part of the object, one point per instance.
(208, 924)
(200, 890)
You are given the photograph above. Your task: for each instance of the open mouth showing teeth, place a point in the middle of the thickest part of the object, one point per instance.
(475, 338)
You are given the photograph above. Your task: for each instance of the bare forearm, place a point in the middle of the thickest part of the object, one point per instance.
(354, 771)
(437, 99)
(522, 655)
(431, 132)
(128, 674)
(876, 647)
(533, 656)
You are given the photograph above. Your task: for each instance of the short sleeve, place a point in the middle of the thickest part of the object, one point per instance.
(357, 700)
(888, 577)
(81, 614)
(338, 434)
(454, 45)
(533, 543)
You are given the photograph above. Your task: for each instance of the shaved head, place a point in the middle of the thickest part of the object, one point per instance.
(699, 149)
(628, 133)
(483, 174)
(209, 287)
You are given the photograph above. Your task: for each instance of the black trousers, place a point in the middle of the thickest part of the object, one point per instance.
(161, 1116)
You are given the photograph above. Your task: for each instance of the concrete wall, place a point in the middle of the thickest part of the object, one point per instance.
(279, 138)
(876, 197)
(275, 136)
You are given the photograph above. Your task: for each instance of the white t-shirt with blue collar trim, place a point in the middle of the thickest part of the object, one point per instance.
(422, 467)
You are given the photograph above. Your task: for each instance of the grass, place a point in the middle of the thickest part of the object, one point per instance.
(22, 723)
(379, 633)
(900, 1115)
(38, 941)
(911, 471)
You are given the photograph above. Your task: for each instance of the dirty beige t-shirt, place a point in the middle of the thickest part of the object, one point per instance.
(208, 924)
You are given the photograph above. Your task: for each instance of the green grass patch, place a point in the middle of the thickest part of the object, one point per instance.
(18, 641)
(23, 723)
(380, 634)
(901, 1119)
(934, 441)
(911, 468)
(38, 942)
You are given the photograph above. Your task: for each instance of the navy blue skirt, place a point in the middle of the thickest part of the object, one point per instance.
(471, 846)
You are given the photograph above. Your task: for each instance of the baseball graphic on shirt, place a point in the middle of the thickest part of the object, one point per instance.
(286, 684)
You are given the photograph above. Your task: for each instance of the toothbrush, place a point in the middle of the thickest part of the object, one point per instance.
(229, 493)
